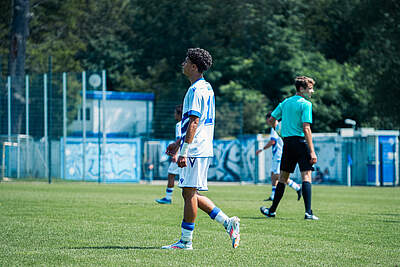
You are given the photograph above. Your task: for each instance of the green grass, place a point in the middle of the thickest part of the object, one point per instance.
(88, 224)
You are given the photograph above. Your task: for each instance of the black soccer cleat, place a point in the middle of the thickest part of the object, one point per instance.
(265, 211)
(299, 194)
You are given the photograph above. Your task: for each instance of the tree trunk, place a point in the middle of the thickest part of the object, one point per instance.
(16, 63)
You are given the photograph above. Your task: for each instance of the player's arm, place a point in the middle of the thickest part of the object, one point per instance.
(173, 148)
(268, 145)
(174, 158)
(308, 137)
(191, 130)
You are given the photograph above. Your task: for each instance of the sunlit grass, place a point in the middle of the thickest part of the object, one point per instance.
(119, 225)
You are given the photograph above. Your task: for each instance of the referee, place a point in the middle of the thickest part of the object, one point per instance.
(296, 115)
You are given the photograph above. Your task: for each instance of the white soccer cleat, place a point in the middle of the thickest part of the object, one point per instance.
(233, 230)
(187, 245)
(311, 217)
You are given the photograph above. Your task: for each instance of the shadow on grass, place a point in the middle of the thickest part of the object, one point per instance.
(267, 219)
(390, 221)
(113, 247)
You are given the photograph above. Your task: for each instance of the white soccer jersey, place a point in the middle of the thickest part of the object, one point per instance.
(277, 148)
(178, 130)
(199, 101)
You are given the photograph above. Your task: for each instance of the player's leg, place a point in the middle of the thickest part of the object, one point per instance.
(274, 182)
(295, 186)
(169, 191)
(173, 170)
(280, 190)
(275, 166)
(305, 169)
(306, 188)
(189, 216)
(231, 225)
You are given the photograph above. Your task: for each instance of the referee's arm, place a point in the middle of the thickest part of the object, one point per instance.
(308, 137)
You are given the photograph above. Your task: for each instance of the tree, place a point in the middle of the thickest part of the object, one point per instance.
(16, 62)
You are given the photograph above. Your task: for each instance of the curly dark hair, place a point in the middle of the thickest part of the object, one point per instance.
(303, 81)
(200, 57)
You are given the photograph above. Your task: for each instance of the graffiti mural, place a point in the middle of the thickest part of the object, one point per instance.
(121, 164)
(234, 160)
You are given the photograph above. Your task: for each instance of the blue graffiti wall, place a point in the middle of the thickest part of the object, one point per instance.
(234, 160)
(122, 162)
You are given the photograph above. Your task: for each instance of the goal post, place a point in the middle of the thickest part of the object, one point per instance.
(22, 157)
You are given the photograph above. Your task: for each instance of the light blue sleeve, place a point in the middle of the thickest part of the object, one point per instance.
(178, 130)
(306, 115)
(277, 113)
(195, 103)
(274, 135)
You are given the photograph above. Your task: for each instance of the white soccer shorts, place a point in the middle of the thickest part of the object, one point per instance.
(173, 168)
(195, 173)
(276, 165)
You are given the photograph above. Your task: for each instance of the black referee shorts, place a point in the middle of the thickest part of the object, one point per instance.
(295, 150)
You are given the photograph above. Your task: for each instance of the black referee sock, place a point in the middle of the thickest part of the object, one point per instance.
(306, 190)
(280, 189)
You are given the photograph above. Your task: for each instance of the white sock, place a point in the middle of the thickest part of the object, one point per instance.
(221, 218)
(273, 192)
(169, 192)
(187, 235)
(293, 185)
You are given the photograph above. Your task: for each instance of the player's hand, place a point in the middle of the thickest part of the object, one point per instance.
(313, 158)
(172, 149)
(174, 158)
(181, 162)
(258, 151)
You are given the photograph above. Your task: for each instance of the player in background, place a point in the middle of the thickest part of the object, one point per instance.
(173, 168)
(276, 143)
(196, 150)
(296, 115)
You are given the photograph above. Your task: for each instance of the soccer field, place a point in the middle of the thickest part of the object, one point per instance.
(121, 225)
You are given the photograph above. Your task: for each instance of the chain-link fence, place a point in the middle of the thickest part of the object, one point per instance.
(65, 114)
(69, 126)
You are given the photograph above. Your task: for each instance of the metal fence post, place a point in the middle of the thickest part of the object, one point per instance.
(83, 125)
(9, 107)
(46, 148)
(64, 123)
(27, 121)
(9, 123)
(103, 151)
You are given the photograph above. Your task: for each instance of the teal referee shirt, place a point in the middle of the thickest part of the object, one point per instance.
(293, 111)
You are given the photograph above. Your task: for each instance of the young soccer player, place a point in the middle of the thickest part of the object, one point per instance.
(276, 143)
(173, 168)
(196, 150)
(298, 148)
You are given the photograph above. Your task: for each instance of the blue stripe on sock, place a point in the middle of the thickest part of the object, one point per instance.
(187, 226)
(169, 190)
(214, 212)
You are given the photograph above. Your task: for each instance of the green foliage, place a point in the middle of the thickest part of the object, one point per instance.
(258, 47)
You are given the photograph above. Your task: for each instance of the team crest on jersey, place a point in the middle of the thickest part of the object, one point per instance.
(192, 161)
(181, 180)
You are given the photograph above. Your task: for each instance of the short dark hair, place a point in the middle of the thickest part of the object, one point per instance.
(303, 81)
(268, 115)
(200, 57)
(178, 109)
